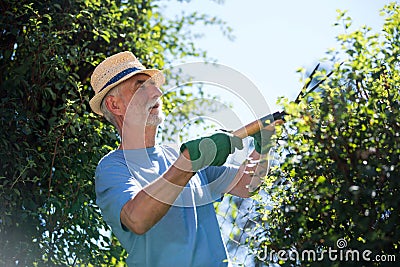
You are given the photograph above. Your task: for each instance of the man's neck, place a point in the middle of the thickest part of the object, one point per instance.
(132, 139)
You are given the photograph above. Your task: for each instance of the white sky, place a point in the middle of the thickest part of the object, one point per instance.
(275, 38)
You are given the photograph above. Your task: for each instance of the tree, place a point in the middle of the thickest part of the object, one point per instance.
(51, 141)
(338, 185)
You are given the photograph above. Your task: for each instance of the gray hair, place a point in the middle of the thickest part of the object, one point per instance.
(108, 115)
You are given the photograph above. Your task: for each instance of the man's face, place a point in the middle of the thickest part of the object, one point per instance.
(141, 100)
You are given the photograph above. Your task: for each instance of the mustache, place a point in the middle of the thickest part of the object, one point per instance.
(155, 103)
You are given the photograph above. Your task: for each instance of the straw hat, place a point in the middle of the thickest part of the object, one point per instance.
(113, 71)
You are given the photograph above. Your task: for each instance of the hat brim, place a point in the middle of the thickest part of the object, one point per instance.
(95, 102)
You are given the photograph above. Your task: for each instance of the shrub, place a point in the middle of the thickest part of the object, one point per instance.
(338, 183)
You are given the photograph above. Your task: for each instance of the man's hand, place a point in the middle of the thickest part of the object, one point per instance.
(262, 138)
(262, 141)
(211, 150)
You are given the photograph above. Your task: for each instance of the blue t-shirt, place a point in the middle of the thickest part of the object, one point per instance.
(189, 234)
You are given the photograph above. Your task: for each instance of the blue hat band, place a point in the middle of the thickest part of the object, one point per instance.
(119, 76)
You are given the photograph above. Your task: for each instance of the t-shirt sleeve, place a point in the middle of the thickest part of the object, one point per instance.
(114, 187)
(219, 178)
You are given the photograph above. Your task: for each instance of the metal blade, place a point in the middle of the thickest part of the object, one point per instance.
(304, 89)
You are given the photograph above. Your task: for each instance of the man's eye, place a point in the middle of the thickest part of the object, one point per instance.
(147, 83)
(142, 86)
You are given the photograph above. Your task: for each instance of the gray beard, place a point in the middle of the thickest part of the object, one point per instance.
(154, 119)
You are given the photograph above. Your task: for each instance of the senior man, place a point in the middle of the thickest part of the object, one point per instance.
(157, 201)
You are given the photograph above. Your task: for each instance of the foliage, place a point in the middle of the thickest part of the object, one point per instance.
(339, 177)
(51, 141)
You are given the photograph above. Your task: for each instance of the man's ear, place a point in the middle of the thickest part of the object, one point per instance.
(113, 105)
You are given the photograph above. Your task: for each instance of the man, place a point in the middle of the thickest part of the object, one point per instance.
(159, 202)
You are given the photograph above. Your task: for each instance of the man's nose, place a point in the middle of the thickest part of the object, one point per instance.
(154, 90)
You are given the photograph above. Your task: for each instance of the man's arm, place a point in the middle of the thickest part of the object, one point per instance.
(153, 201)
(248, 177)
(250, 173)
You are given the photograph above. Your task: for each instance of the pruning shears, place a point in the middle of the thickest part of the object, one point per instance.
(267, 120)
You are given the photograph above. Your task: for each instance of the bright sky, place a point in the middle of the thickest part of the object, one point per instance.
(274, 38)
